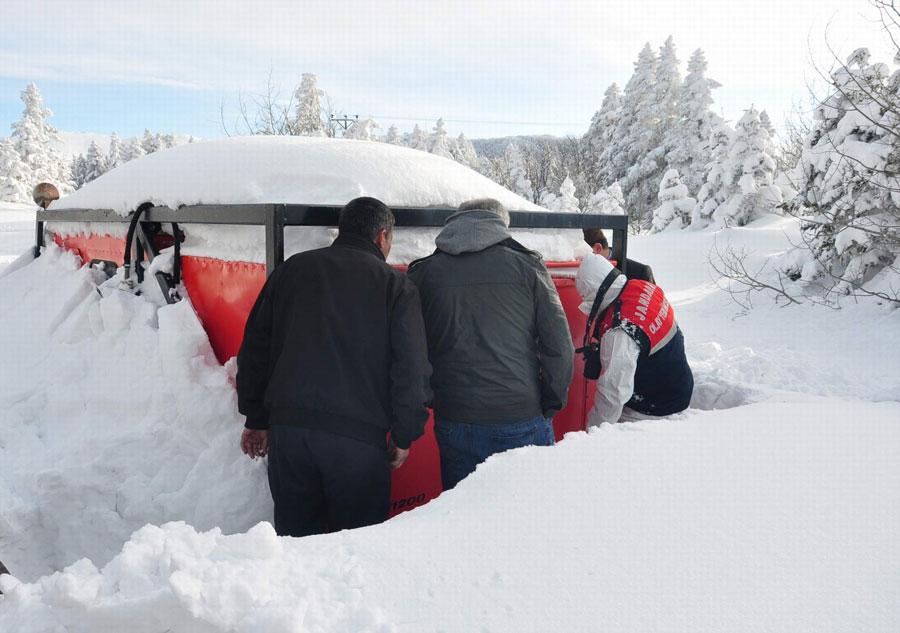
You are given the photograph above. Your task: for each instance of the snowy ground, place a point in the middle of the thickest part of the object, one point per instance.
(771, 506)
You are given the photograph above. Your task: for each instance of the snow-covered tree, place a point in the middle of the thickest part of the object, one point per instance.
(567, 202)
(687, 141)
(132, 149)
(393, 136)
(609, 201)
(716, 186)
(78, 171)
(418, 139)
(14, 176)
(465, 152)
(34, 139)
(167, 141)
(114, 155)
(752, 190)
(766, 122)
(362, 130)
(438, 143)
(675, 204)
(308, 119)
(849, 198)
(600, 135)
(94, 164)
(519, 182)
(150, 142)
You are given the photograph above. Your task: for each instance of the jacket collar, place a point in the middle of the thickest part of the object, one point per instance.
(358, 242)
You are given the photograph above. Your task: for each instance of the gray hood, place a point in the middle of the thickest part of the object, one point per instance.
(471, 231)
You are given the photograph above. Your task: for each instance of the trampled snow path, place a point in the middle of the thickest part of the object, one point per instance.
(779, 513)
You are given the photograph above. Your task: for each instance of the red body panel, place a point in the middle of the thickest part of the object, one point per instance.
(223, 294)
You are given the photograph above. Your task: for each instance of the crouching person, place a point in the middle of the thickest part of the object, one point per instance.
(498, 340)
(334, 357)
(643, 368)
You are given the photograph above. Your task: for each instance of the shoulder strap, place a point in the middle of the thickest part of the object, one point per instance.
(598, 299)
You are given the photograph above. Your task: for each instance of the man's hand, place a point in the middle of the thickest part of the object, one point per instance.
(397, 456)
(255, 443)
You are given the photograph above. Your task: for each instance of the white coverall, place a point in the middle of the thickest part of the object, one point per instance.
(618, 351)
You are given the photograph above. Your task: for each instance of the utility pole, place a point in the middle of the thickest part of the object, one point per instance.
(344, 121)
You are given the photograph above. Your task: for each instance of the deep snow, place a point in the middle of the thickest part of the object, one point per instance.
(778, 510)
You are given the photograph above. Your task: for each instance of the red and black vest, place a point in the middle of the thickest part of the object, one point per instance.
(663, 382)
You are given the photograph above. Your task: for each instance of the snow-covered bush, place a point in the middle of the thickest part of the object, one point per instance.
(849, 198)
(674, 211)
(609, 201)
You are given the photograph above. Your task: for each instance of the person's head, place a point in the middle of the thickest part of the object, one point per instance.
(487, 204)
(368, 218)
(596, 239)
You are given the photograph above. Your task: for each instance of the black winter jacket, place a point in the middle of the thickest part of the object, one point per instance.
(498, 338)
(336, 342)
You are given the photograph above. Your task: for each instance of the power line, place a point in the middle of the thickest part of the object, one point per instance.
(424, 118)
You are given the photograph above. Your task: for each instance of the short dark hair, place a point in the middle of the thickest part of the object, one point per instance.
(366, 217)
(595, 236)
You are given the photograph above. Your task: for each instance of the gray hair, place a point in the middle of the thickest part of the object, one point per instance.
(486, 204)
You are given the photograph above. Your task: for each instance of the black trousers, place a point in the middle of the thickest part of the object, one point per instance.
(322, 482)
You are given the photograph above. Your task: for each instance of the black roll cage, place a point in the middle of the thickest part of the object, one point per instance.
(274, 217)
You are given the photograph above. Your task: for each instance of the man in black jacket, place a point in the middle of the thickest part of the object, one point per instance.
(596, 239)
(334, 358)
(497, 337)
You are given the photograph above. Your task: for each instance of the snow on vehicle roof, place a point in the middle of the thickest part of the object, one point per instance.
(279, 169)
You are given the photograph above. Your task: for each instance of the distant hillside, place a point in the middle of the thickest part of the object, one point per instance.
(493, 147)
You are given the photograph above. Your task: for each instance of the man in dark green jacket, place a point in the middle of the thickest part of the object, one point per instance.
(498, 340)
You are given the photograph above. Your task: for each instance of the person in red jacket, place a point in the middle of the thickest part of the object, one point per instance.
(643, 367)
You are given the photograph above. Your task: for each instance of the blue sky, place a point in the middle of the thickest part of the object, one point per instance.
(489, 68)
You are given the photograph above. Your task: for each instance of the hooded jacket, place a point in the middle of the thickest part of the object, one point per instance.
(498, 339)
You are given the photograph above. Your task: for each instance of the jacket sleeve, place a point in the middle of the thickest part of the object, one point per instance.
(618, 358)
(554, 345)
(410, 369)
(253, 361)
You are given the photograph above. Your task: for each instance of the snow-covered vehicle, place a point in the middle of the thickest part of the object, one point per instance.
(208, 221)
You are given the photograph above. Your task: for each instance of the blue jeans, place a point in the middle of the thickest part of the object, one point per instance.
(463, 446)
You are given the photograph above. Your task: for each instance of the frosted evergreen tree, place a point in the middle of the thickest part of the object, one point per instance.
(362, 130)
(438, 143)
(675, 204)
(14, 175)
(132, 149)
(689, 150)
(519, 182)
(466, 153)
(751, 175)
(78, 171)
(114, 155)
(167, 141)
(149, 142)
(849, 203)
(393, 136)
(600, 136)
(567, 202)
(657, 115)
(308, 120)
(766, 122)
(609, 201)
(34, 139)
(418, 139)
(716, 186)
(93, 163)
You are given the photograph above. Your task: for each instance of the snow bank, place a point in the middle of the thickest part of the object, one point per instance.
(775, 516)
(115, 413)
(301, 170)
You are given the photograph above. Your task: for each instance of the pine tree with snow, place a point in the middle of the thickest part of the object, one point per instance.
(14, 175)
(150, 142)
(114, 155)
(466, 153)
(418, 139)
(167, 141)
(766, 122)
(308, 119)
(78, 171)
(519, 182)
(567, 202)
(93, 164)
(132, 149)
(717, 182)
(609, 201)
(362, 130)
(393, 136)
(676, 205)
(687, 142)
(438, 143)
(849, 203)
(600, 136)
(751, 174)
(34, 139)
